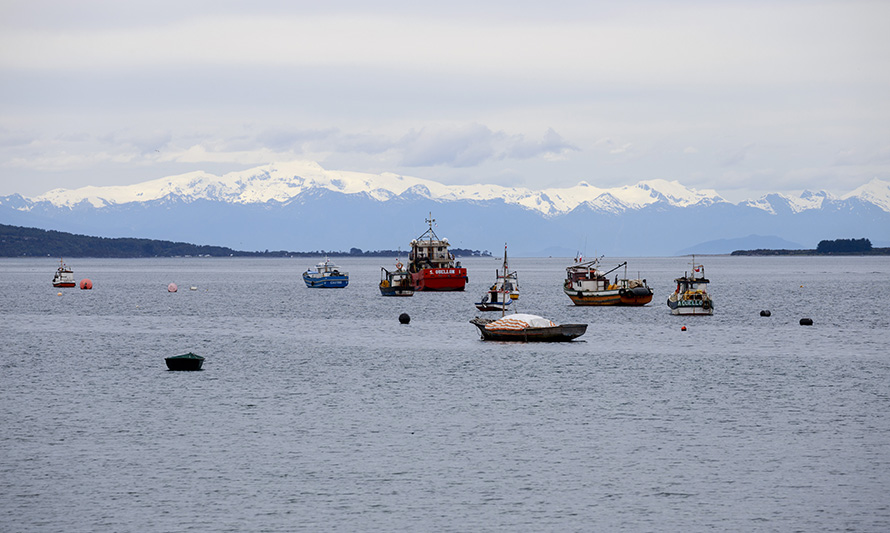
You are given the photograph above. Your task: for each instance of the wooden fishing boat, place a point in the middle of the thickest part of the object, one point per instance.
(526, 328)
(586, 284)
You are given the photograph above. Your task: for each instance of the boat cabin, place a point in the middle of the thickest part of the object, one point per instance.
(586, 277)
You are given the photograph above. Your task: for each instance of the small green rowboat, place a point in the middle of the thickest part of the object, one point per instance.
(188, 361)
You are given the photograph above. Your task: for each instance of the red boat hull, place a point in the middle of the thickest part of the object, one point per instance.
(439, 279)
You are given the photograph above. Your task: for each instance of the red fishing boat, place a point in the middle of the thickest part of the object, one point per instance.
(431, 266)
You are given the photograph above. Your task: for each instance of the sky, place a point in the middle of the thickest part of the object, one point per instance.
(744, 97)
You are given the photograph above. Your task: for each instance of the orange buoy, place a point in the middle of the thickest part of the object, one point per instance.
(86, 284)
(172, 288)
(60, 294)
(683, 328)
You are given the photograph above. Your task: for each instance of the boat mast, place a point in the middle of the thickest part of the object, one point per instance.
(432, 221)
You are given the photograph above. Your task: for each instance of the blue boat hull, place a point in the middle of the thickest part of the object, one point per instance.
(327, 282)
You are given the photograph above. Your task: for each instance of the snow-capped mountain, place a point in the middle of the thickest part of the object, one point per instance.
(283, 182)
(775, 203)
(302, 206)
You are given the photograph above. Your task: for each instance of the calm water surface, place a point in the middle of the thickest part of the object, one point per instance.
(316, 410)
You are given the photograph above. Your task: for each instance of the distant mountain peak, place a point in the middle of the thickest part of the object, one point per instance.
(876, 192)
(282, 182)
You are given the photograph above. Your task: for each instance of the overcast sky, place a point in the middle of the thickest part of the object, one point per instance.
(743, 97)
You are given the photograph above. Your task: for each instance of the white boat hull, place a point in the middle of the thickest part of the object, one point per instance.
(692, 311)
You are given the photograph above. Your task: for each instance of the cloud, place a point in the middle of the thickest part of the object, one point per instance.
(458, 146)
(143, 142)
(665, 44)
(473, 144)
(551, 146)
(738, 156)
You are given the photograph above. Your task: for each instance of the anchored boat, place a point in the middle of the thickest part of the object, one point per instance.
(395, 282)
(527, 328)
(587, 285)
(326, 276)
(187, 361)
(431, 266)
(64, 276)
(691, 295)
(504, 291)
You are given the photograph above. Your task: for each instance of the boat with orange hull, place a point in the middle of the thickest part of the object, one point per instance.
(587, 285)
(64, 276)
(431, 266)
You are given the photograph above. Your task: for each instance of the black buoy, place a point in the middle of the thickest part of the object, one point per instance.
(765, 312)
(404, 318)
(806, 321)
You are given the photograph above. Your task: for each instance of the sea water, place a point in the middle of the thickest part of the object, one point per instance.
(317, 411)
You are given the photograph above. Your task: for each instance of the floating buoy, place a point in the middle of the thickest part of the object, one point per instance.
(172, 288)
(403, 318)
(59, 294)
(193, 288)
(806, 321)
(683, 328)
(86, 284)
(765, 313)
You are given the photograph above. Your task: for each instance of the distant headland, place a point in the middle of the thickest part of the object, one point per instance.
(835, 247)
(17, 241)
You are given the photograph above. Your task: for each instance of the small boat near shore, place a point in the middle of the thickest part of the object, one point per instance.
(64, 276)
(326, 276)
(395, 282)
(520, 327)
(585, 284)
(691, 295)
(504, 292)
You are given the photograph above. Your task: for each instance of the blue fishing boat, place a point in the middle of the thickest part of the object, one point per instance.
(326, 276)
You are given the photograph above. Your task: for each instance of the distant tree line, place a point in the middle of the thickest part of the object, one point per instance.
(457, 252)
(844, 246)
(834, 247)
(17, 241)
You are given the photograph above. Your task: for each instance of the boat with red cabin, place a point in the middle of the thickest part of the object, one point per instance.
(432, 266)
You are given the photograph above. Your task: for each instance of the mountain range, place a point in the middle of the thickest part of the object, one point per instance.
(302, 206)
